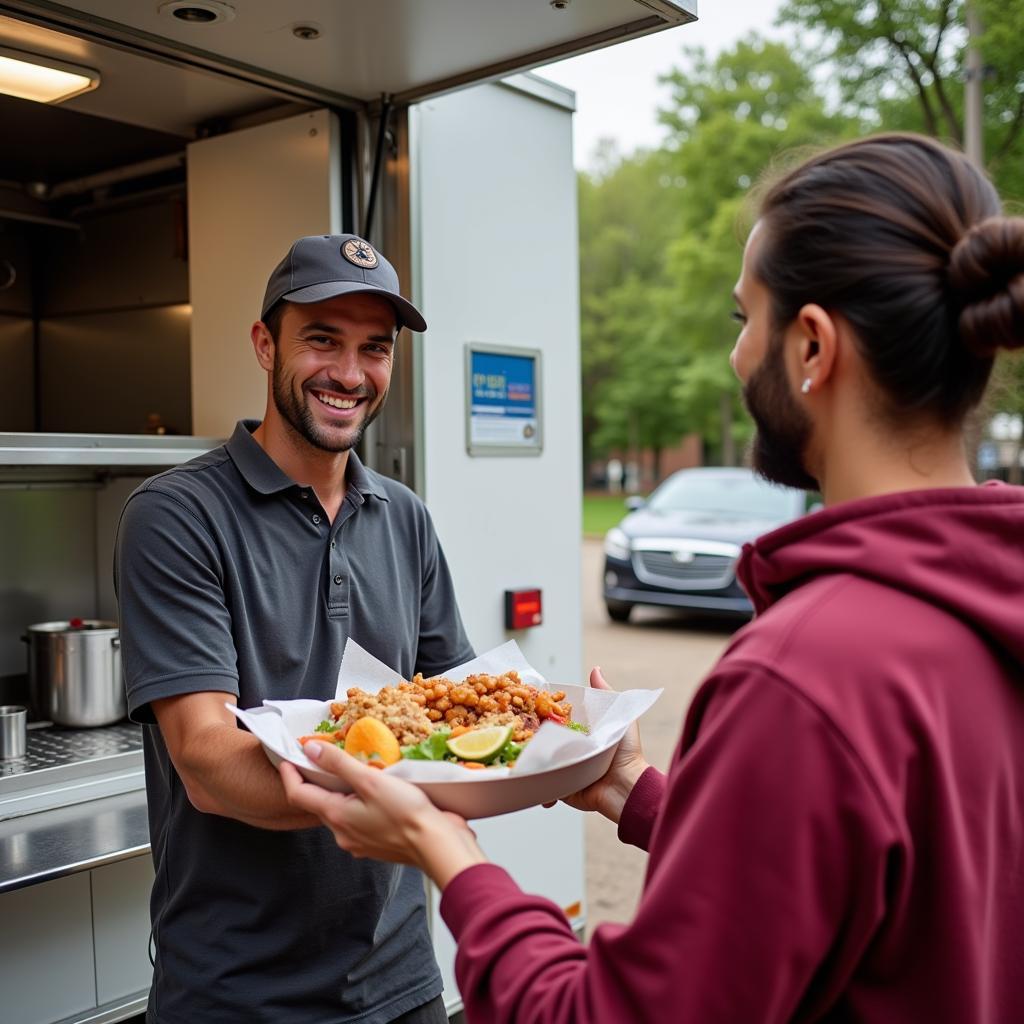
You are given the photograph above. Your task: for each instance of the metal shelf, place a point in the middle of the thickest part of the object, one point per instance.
(100, 450)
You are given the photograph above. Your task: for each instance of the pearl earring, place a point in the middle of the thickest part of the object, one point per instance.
(806, 386)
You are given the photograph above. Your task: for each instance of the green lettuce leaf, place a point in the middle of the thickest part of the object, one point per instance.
(509, 752)
(433, 748)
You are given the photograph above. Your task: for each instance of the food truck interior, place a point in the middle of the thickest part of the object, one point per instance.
(139, 218)
(94, 245)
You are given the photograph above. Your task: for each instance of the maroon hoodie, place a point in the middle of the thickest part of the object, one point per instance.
(840, 836)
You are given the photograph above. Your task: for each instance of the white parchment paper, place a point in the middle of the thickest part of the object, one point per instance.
(279, 723)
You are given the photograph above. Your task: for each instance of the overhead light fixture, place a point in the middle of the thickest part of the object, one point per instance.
(31, 76)
(198, 12)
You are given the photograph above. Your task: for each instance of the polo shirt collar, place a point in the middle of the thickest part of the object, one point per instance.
(264, 475)
(360, 480)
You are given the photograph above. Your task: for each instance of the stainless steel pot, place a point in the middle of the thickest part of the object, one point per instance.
(74, 672)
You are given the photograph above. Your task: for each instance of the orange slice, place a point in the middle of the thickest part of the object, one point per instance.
(370, 740)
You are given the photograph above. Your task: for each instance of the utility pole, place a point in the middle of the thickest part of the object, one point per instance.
(973, 89)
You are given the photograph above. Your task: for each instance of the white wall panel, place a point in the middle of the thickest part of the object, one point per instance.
(495, 261)
(495, 247)
(250, 195)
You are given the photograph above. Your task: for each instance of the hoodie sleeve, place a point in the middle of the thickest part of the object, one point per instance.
(766, 882)
(641, 811)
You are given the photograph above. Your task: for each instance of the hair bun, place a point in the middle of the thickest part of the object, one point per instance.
(986, 274)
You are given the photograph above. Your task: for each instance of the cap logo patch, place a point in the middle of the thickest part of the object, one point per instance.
(356, 251)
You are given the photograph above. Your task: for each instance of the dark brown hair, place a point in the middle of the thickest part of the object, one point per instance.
(905, 239)
(274, 316)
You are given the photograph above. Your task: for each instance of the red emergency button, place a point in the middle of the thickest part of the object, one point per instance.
(523, 609)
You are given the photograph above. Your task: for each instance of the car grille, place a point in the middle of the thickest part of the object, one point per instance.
(704, 572)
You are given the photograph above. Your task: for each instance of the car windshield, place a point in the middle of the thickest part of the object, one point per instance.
(739, 496)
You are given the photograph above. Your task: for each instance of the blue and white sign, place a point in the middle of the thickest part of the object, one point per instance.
(503, 400)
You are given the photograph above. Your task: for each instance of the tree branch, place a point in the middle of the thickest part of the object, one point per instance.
(931, 61)
(943, 25)
(931, 124)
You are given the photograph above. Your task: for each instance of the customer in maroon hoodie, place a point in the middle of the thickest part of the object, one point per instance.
(840, 836)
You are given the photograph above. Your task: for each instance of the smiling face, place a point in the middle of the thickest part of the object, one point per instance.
(330, 367)
(780, 444)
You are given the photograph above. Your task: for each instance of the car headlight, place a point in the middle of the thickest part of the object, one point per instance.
(616, 544)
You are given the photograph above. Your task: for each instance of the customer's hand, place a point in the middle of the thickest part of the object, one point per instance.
(383, 817)
(608, 795)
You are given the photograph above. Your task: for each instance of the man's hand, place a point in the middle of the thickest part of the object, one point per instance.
(608, 795)
(383, 817)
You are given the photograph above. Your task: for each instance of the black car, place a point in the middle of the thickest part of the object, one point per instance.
(679, 547)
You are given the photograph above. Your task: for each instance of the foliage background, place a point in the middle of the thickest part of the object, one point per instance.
(661, 231)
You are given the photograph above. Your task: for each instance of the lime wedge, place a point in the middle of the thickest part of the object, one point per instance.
(480, 744)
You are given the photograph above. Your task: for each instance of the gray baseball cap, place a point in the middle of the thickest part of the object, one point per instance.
(321, 267)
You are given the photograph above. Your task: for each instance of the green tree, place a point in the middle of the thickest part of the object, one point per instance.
(730, 118)
(1002, 51)
(627, 217)
(659, 238)
(899, 64)
(660, 251)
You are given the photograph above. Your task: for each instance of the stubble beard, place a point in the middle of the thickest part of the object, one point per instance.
(293, 404)
(778, 449)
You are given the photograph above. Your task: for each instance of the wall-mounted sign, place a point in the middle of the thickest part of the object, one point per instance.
(503, 410)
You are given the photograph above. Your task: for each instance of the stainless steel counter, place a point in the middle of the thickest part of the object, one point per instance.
(48, 845)
(76, 801)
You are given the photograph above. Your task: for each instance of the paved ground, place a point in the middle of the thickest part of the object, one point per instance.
(655, 648)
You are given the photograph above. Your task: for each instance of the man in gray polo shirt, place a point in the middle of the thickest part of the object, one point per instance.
(240, 576)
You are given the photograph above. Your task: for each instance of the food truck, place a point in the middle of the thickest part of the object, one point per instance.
(170, 153)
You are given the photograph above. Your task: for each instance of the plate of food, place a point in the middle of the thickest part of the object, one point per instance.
(485, 738)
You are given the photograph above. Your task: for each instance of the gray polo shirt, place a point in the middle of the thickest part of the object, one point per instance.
(230, 577)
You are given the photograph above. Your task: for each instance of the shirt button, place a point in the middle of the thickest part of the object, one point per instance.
(338, 579)
(316, 520)
(333, 544)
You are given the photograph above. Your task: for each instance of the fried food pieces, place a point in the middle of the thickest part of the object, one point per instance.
(396, 708)
(483, 700)
(412, 709)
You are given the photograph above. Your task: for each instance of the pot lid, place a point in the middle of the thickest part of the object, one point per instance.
(74, 625)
